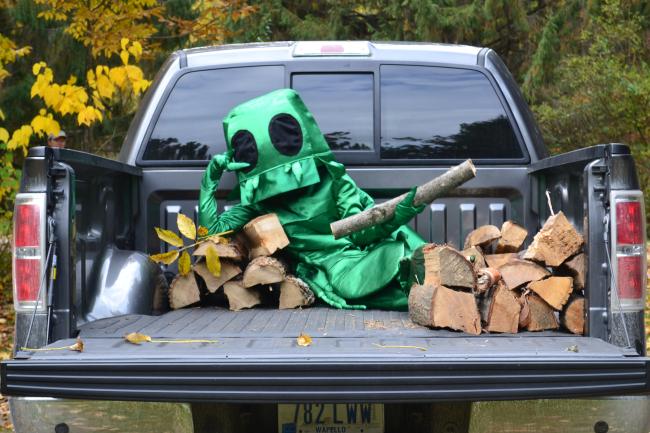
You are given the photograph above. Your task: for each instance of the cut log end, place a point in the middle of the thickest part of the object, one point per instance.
(504, 311)
(554, 290)
(441, 307)
(482, 236)
(575, 267)
(264, 270)
(240, 297)
(555, 242)
(183, 291)
(517, 272)
(265, 235)
(512, 238)
(572, 317)
(295, 293)
(228, 272)
(542, 316)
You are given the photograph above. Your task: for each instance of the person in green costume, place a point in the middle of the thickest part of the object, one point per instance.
(285, 166)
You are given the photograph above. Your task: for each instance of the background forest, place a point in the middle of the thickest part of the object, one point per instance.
(83, 65)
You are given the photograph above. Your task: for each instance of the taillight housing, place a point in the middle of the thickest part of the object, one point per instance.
(29, 251)
(628, 251)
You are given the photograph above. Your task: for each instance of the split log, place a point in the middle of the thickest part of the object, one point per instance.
(575, 267)
(486, 278)
(482, 236)
(542, 316)
(425, 194)
(265, 235)
(517, 272)
(445, 266)
(573, 316)
(503, 310)
(498, 260)
(240, 297)
(555, 242)
(524, 313)
(233, 250)
(554, 290)
(295, 293)
(264, 270)
(475, 257)
(512, 238)
(183, 291)
(440, 307)
(228, 272)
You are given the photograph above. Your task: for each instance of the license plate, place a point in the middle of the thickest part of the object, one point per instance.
(331, 418)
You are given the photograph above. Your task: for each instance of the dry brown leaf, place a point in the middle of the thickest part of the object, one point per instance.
(169, 236)
(78, 345)
(166, 258)
(186, 226)
(212, 260)
(137, 338)
(202, 231)
(304, 340)
(184, 264)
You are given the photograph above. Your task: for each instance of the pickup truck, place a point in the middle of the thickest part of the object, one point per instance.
(397, 115)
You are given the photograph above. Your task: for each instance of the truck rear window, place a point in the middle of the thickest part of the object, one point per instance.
(189, 126)
(442, 113)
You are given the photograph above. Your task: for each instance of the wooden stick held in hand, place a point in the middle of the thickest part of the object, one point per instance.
(425, 194)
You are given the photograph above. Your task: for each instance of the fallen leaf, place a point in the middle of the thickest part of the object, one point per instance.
(212, 260)
(386, 346)
(137, 338)
(184, 264)
(186, 226)
(78, 345)
(304, 340)
(169, 236)
(573, 348)
(166, 258)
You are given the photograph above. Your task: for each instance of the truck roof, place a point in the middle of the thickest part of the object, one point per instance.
(323, 50)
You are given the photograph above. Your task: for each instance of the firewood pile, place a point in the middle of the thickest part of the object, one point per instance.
(251, 271)
(493, 285)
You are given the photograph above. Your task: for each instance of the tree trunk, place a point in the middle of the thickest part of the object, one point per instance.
(425, 194)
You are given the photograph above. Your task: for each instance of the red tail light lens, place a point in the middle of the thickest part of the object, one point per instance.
(630, 280)
(629, 222)
(29, 250)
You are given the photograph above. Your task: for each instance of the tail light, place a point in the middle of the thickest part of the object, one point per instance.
(29, 250)
(628, 250)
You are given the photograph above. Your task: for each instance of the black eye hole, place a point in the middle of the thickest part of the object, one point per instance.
(286, 134)
(245, 149)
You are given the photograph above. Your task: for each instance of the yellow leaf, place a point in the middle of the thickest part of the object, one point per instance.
(184, 264)
(212, 260)
(124, 55)
(4, 135)
(202, 231)
(186, 226)
(137, 338)
(37, 67)
(169, 236)
(304, 340)
(165, 258)
(124, 42)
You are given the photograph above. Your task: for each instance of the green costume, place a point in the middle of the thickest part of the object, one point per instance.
(285, 166)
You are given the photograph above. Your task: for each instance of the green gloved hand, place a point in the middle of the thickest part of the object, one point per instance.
(404, 212)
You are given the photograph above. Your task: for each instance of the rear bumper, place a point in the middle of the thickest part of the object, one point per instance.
(613, 414)
(327, 380)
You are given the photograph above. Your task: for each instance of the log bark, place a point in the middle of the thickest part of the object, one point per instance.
(183, 291)
(440, 307)
(542, 316)
(265, 235)
(575, 267)
(517, 272)
(482, 236)
(431, 256)
(425, 194)
(295, 293)
(475, 257)
(503, 312)
(498, 260)
(264, 270)
(555, 242)
(512, 238)
(240, 297)
(554, 290)
(572, 317)
(232, 251)
(228, 272)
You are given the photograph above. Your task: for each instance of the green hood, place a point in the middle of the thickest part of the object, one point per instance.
(278, 136)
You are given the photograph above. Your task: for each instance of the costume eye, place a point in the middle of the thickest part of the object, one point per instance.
(245, 148)
(285, 134)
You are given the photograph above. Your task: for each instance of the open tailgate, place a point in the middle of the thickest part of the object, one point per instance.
(355, 356)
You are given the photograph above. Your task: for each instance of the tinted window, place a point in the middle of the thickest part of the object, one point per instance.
(342, 106)
(442, 113)
(189, 126)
